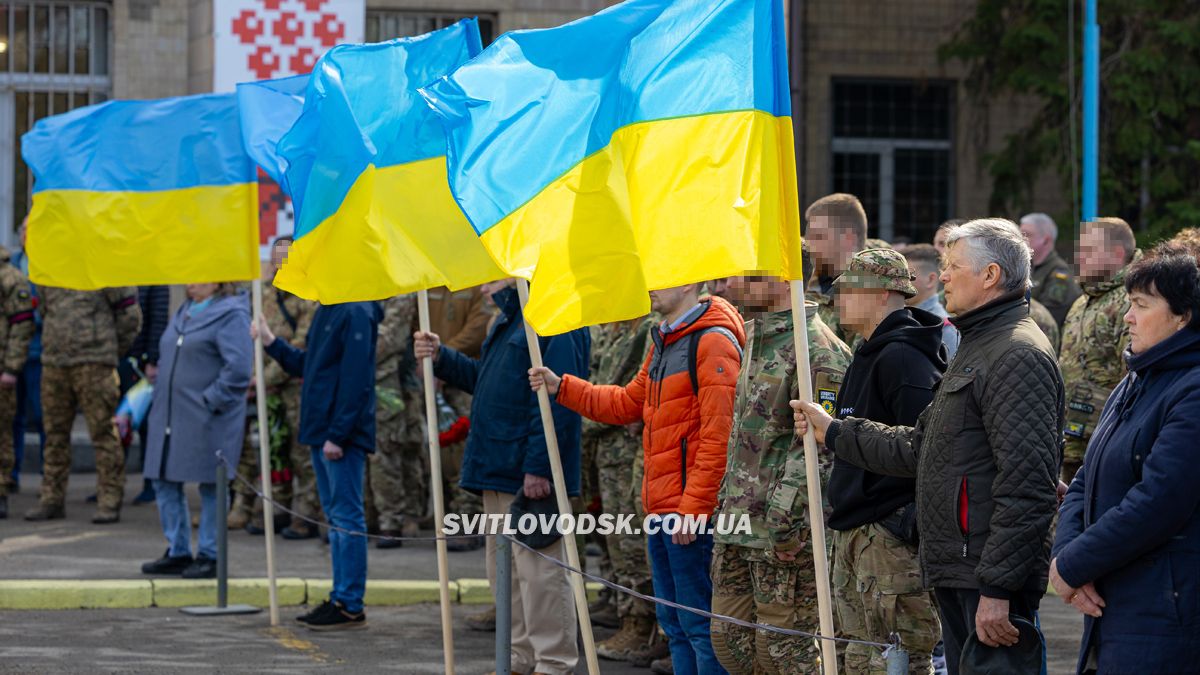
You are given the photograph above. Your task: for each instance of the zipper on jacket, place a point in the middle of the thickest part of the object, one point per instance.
(963, 514)
(162, 469)
(683, 462)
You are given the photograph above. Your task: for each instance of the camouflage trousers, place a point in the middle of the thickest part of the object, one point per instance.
(749, 585)
(397, 475)
(615, 453)
(1073, 451)
(458, 498)
(876, 592)
(300, 492)
(95, 389)
(8, 410)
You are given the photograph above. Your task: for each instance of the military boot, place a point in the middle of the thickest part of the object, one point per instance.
(634, 636)
(46, 512)
(652, 650)
(239, 513)
(105, 516)
(606, 616)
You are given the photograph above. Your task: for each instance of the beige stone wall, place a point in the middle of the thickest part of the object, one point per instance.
(150, 55)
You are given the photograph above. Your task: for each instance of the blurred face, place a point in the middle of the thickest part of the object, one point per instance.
(670, 300)
(493, 287)
(1039, 242)
(939, 241)
(828, 245)
(859, 308)
(200, 292)
(720, 288)
(279, 253)
(967, 289)
(1098, 260)
(756, 293)
(926, 282)
(1151, 320)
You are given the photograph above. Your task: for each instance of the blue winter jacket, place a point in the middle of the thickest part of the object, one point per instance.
(337, 399)
(1131, 521)
(506, 440)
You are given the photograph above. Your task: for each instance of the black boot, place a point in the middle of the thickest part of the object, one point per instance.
(167, 564)
(201, 568)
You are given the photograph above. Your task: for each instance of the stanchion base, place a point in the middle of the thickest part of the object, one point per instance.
(221, 611)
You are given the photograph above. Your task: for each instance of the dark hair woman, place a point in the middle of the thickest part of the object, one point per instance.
(1127, 552)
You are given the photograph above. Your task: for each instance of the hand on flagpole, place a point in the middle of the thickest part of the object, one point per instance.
(807, 413)
(426, 345)
(544, 377)
(260, 327)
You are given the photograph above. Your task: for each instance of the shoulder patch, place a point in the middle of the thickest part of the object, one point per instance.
(1061, 276)
(827, 397)
(23, 294)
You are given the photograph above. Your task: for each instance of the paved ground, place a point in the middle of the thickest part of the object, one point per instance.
(400, 639)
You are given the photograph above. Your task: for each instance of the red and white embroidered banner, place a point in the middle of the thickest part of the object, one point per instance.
(266, 39)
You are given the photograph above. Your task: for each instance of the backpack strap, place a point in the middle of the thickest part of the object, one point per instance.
(694, 347)
(287, 316)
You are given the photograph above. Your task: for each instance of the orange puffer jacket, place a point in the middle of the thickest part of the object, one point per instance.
(687, 433)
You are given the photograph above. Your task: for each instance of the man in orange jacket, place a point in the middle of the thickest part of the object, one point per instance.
(684, 394)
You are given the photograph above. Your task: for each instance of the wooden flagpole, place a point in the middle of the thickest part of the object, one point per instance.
(264, 453)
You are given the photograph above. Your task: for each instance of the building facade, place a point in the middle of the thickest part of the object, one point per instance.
(877, 114)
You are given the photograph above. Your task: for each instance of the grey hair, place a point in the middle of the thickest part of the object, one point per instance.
(1044, 223)
(996, 240)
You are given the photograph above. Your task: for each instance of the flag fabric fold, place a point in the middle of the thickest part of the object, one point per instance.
(268, 109)
(142, 192)
(366, 168)
(647, 146)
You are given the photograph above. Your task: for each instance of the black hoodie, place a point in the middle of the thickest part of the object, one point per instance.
(890, 381)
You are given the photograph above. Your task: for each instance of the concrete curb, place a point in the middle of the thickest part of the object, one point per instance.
(46, 594)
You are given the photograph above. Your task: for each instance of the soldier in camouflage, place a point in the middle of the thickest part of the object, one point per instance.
(1095, 335)
(1045, 320)
(836, 229)
(397, 476)
(767, 576)
(84, 334)
(618, 350)
(876, 576)
(16, 330)
(1053, 282)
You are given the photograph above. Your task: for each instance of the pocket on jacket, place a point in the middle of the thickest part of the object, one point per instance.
(1185, 587)
(956, 391)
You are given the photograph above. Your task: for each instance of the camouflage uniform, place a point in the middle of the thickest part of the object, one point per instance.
(16, 330)
(1092, 360)
(461, 319)
(618, 350)
(1045, 320)
(398, 476)
(826, 309)
(1054, 286)
(84, 333)
(765, 480)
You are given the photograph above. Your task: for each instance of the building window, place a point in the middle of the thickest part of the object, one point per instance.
(388, 24)
(54, 57)
(892, 143)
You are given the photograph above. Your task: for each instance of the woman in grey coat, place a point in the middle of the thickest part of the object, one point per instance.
(199, 409)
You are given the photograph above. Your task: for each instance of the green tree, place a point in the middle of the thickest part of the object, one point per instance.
(1149, 102)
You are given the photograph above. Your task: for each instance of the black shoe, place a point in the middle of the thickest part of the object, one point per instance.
(393, 542)
(255, 529)
(303, 531)
(319, 609)
(146, 496)
(335, 617)
(91, 499)
(201, 568)
(462, 544)
(167, 564)
(3, 507)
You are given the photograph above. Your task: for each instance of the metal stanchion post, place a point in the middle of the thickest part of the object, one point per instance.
(503, 605)
(897, 661)
(222, 555)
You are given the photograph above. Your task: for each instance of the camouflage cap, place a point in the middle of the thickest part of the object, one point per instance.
(879, 268)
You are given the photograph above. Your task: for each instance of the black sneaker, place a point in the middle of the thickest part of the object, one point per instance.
(202, 568)
(167, 564)
(337, 618)
(319, 609)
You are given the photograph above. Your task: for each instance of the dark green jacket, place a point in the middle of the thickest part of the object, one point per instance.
(985, 454)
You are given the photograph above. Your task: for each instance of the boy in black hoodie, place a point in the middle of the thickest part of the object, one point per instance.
(876, 576)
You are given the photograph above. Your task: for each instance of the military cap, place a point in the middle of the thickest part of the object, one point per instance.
(879, 268)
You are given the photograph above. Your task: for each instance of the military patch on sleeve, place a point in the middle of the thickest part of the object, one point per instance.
(1061, 276)
(1081, 407)
(1075, 429)
(22, 294)
(827, 397)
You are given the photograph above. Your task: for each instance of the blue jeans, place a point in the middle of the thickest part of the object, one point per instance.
(177, 522)
(340, 485)
(29, 412)
(680, 575)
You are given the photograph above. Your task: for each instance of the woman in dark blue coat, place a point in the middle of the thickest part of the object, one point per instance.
(1127, 552)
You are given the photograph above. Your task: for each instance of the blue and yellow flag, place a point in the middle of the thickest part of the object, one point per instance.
(268, 109)
(142, 192)
(648, 146)
(367, 173)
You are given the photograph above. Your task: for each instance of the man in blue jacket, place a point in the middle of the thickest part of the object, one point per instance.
(337, 418)
(506, 455)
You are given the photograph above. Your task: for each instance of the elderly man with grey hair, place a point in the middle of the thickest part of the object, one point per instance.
(1053, 280)
(986, 451)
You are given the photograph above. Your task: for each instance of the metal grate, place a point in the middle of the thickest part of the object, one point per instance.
(388, 24)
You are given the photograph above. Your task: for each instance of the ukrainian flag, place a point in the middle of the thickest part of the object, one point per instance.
(142, 192)
(367, 173)
(268, 109)
(648, 146)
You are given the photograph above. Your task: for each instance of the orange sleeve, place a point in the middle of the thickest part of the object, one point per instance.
(717, 366)
(609, 404)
